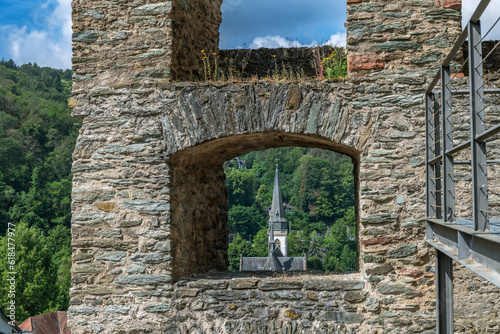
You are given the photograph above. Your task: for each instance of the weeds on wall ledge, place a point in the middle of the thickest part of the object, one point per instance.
(332, 66)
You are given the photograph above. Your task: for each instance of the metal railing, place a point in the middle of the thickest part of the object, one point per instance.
(439, 129)
(473, 245)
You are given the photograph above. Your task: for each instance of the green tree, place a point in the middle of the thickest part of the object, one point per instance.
(59, 245)
(340, 241)
(246, 221)
(37, 139)
(241, 186)
(261, 243)
(298, 243)
(236, 247)
(315, 263)
(36, 273)
(315, 246)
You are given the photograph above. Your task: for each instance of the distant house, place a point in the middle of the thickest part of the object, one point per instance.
(48, 323)
(5, 328)
(288, 208)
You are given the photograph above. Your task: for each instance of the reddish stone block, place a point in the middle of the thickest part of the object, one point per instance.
(378, 241)
(412, 272)
(353, 1)
(456, 4)
(364, 62)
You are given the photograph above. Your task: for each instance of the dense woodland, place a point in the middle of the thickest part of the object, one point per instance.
(37, 138)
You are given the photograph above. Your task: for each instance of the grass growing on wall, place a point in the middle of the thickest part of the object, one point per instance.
(329, 66)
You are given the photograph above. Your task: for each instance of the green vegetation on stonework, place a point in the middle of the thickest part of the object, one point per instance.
(37, 139)
(318, 183)
(333, 66)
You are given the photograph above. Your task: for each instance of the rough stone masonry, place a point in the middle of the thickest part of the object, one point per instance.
(149, 202)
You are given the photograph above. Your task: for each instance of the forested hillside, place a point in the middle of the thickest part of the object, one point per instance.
(37, 136)
(318, 183)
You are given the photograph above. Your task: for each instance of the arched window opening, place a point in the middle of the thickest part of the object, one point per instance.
(211, 184)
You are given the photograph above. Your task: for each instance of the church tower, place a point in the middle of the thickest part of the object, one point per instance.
(278, 226)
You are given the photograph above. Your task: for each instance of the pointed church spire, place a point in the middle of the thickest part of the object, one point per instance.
(277, 214)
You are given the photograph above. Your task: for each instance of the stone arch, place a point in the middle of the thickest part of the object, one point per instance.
(199, 204)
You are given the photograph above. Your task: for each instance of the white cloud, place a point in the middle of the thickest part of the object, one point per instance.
(48, 46)
(490, 16)
(339, 39)
(273, 42)
(61, 17)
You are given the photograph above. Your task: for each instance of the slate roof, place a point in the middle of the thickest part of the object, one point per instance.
(277, 214)
(48, 323)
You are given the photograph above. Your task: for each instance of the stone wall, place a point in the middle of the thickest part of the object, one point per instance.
(406, 34)
(136, 42)
(290, 304)
(476, 302)
(195, 27)
(148, 186)
(199, 196)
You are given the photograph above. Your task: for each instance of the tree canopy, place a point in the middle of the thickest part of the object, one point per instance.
(37, 139)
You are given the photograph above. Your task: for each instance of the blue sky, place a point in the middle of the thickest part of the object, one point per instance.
(40, 30)
(36, 31)
(258, 23)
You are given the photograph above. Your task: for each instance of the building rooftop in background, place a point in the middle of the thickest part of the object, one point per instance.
(48, 323)
(5, 328)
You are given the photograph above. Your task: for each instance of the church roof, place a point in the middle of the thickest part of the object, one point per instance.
(277, 214)
(48, 323)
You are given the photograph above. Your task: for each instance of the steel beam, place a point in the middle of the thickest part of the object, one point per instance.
(437, 152)
(466, 91)
(478, 126)
(488, 133)
(479, 252)
(481, 7)
(458, 148)
(429, 153)
(444, 293)
(447, 140)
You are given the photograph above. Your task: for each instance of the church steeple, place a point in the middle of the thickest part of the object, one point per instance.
(278, 259)
(278, 227)
(277, 214)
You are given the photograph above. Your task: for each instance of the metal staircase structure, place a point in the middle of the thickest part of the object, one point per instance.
(473, 241)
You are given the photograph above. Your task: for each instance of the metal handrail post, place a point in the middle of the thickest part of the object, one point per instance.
(478, 125)
(447, 142)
